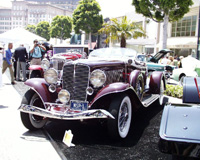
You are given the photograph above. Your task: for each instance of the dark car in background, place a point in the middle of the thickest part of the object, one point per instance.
(109, 89)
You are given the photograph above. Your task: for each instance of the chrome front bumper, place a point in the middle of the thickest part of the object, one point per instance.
(68, 115)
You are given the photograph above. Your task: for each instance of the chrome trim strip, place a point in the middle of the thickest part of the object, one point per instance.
(89, 114)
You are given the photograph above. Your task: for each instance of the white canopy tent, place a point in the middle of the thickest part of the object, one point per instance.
(19, 36)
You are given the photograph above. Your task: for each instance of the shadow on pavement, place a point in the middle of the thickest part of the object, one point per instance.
(92, 141)
(3, 107)
(37, 136)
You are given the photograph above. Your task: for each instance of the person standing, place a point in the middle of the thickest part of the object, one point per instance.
(1, 62)
(7, 62)
(36, 53)
(165, 60)
(21, 56)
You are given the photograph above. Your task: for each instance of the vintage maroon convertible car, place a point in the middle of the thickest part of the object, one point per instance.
(111, 89)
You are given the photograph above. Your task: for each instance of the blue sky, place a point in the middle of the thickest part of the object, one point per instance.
(110, 8)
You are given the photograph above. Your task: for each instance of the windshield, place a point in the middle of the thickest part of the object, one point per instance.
(113, 53)
(57, 50)
(141, 57)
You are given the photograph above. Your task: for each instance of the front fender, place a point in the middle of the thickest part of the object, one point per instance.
(40, 86)
(154, 84)
(115, 88)
(111, 88)
(35, 67)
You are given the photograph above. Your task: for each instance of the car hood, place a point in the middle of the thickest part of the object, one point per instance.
(160, 55)
(98, 63)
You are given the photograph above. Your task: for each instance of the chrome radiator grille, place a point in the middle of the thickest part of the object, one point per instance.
(57, 63)
(75, 80)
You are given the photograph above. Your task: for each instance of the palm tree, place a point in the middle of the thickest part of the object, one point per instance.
(122, 30)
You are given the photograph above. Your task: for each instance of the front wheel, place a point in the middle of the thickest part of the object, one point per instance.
(30, 121)
(121, 109)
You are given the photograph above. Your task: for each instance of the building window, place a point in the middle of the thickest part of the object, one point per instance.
(184, 27)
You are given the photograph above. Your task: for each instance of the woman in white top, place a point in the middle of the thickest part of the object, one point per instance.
(1, 62)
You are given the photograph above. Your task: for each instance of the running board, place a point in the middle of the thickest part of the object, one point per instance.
(148, 100)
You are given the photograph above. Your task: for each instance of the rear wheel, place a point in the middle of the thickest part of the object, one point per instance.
(121, 109)
(139, 86)
(30, 121)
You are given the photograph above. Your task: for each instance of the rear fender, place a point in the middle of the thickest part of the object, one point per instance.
(116, 88)
(35, 67)
(154, 84)
(40, 86)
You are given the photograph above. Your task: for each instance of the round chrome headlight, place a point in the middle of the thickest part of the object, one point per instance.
(97, 78)
(45, 64)
(64, 96)
(51, 76)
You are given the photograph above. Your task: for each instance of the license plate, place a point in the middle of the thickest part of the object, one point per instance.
(79, 105)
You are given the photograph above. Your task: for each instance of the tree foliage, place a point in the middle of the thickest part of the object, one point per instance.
(31, 28)
(61, 27)
(43, 30)
(86, 17)
(157, 9)
(122, 30)
(163, 11)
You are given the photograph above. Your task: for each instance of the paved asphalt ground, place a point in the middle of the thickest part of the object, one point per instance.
(92, 142)
(16, 142)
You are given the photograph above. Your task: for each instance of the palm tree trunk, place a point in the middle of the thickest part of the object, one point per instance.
(165, 24)
(123, 42)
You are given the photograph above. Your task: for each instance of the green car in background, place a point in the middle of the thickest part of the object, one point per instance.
(153, 65)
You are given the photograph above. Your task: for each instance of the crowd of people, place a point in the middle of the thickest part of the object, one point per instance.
(17, 60)
(170, 60)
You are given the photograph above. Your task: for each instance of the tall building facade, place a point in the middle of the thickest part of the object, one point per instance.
(69, 5)
(5, 19)
(32, 12)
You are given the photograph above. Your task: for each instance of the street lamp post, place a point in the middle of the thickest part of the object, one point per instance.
(198, 38)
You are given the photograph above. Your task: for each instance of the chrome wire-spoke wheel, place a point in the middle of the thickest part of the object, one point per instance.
(124, 117)
(138, 88)
(121, 109)
(37, 121)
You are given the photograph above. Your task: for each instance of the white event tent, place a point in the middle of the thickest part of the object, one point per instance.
(19, 36)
